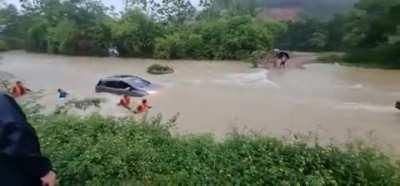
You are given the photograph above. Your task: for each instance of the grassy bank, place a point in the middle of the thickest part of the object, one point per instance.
(108, 151)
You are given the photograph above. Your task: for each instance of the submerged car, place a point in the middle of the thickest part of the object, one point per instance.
(126, 85)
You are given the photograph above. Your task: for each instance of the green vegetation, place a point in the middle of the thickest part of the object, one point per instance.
(369, 34)
(167, 30)
(172, 29)
(3, 46)
(108, 151)
(158, 69)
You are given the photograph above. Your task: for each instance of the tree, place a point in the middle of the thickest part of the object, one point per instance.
(176, 11)
(11, 27)
(135, 34)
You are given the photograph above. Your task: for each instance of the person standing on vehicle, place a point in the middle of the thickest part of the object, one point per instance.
(21, 161)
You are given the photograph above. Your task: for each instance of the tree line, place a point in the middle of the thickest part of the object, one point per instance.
(170, 29)
(219, 29)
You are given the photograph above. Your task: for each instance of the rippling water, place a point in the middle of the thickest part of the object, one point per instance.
(337, 102)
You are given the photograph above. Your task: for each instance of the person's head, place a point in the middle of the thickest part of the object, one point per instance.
(126, 96)
(144, 101)
(59, 90)
(18, 83)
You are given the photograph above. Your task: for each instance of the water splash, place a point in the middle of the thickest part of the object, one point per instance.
(366, 107)
(259, 77)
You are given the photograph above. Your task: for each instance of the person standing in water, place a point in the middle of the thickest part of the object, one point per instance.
(142, 108)
(21, 161)
(282, 57)
(62, 94)
(19, 89)
(125, 102)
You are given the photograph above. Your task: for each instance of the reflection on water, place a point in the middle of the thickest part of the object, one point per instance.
(216, 96)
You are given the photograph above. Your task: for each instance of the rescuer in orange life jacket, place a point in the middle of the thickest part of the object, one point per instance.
(144, 107)
(125, 102)
(19, 89)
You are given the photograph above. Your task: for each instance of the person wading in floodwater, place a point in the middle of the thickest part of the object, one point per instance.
(282, 57)
(142, 108)
(19, 89)
(125, 102)
(21, 162)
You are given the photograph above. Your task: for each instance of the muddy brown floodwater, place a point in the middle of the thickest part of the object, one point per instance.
(336, 102)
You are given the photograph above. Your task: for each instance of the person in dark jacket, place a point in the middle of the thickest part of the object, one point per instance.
(21, 161)
(282, 56)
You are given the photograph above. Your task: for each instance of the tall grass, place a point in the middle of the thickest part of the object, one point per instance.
(109, 151)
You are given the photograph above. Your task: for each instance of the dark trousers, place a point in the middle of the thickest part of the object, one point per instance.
(12, 175)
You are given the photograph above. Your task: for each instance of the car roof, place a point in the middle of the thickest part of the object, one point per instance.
(124, 78)
(120, 78)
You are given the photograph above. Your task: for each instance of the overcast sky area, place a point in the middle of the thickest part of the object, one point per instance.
(118, 4)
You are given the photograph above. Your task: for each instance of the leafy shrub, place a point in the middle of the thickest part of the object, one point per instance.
(62, 38)
(169, 47)
(158, 69)
(235, 37)
(135, 34)
(37, 38)
(180, 44)
(3, 46)
(109, 151)
(227, 38)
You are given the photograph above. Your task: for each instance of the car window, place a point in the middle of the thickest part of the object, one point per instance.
(111, 84)
(123, 85)
(116, 84)
(140, 83)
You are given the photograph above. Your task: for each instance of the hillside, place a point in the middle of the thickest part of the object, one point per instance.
(291, 9)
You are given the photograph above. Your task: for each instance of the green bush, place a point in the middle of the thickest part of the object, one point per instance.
(226, 38)
(158, 69)
(169, 47)
(106, 151)
(3, 46)
(135, 34)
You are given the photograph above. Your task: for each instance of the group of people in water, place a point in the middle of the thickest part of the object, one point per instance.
(19, 89)
(126, 101)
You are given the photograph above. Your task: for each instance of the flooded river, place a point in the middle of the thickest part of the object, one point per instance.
(337, 102)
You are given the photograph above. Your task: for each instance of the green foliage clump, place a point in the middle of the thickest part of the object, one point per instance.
(3, 46)
(170, 47)
(226, 38)
(369, 34)
(135, 34)
(108, 151)
(158, 69)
